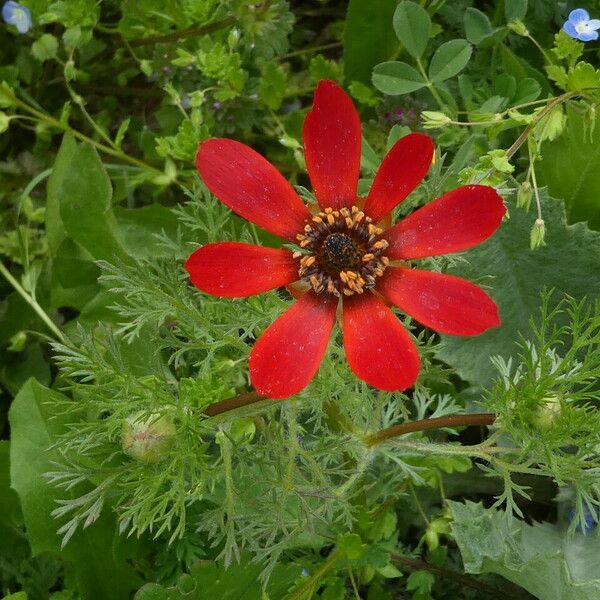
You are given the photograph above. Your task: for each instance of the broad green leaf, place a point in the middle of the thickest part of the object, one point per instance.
(45, 47)
(540, 558)
(477, 25)
(79, 207)
(571, 169)
(94, 553)
(449, 60)
(515, 9)
(368, 37)
(413, 27)
(515, 277)
(208, 580)
(396, 78)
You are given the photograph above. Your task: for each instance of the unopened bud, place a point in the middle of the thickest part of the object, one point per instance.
(433, 119)
(524, 195)
(148, 439)
(548, 413)
(538, 233)
(517, 26)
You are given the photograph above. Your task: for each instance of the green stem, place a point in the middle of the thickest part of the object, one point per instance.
(84, 138)
(185, 33)
(32, 302)
(310, 49)
(314, 579)
(431, 86)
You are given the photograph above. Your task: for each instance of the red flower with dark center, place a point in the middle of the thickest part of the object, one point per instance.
(346, 256)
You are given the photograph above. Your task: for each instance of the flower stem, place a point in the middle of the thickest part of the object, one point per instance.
(422, 425)
(314, 579)
(431, 86)
(461, 578)
(32, 302)
(228, 404)
(185, 33)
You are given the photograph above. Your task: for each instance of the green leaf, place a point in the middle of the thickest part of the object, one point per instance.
(79, 202)
(45, 47)
(571, 169)
(541, 558)
(208, 579)
(449, 60)
(515, 9)
(396, 78)
(516, 276)
(100, 570)
(368, 37)
(477, 25)
(413, 27)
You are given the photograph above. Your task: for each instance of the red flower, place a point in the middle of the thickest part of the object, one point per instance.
(346, 256)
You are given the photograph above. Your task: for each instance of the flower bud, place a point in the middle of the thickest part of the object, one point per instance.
(517, 26)
(524, 195)
(433, 119)
(548, 413)
(538, 233)
(147, 439)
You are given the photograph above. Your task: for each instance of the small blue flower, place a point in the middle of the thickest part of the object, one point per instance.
(15, 14)
(580, 26)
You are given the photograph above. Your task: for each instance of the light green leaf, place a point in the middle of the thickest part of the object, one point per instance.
(539, 558)
(515, 9)
(449, 60)
(79, 203)
(45, 47)
(396, 78)
(413, 27)
(571, 169)
(516, 276)
(368, 37)
(100, 570)
(477, 25)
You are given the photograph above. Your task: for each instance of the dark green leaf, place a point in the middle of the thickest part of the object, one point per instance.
(396, 78)
(477, 25)
(368, 37)
(515, 9)
(568, 263)
(413, 27)
(449, 60)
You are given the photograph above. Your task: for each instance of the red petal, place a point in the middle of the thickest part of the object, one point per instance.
(378, 348)
(401, 171)
(287, 355)
(458, 220)
(332, 140)
(234, 270)
(251, 186)
(445, 303)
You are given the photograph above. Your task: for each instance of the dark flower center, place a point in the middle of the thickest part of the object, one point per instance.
(340, 252)
(343, 252)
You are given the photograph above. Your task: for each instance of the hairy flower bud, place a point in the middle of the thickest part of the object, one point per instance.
(548, 413)
(147, 439)
(517, 26)
(524, 195)
(538, 234)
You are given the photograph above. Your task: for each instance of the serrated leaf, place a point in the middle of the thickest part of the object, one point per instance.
(368, 37)
(449, 60)
(413, 27)
(571, 169)
(540, 558)
(516, 277)
(396, 78)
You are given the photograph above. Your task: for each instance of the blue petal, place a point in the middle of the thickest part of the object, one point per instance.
(16, 14)
(570, 30)
(578, 15)
(594, 24)
(588, 36)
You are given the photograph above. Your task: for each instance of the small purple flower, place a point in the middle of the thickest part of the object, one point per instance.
(580, 26)
(15, 14)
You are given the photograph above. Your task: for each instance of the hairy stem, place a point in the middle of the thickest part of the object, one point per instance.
(461, 578)
(453, 421)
